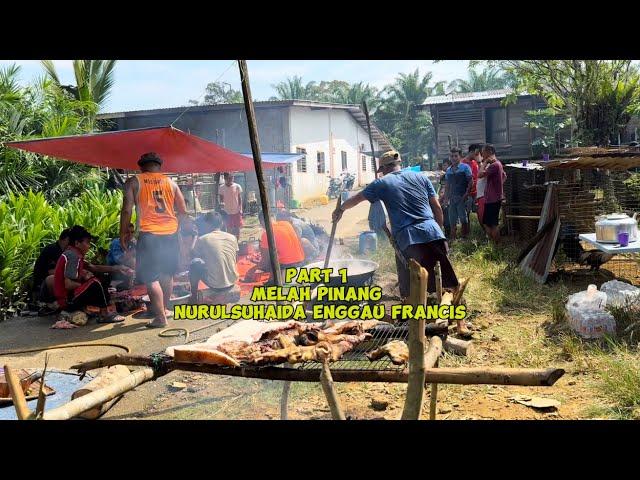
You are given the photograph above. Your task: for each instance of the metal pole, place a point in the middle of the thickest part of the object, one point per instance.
(257, 161)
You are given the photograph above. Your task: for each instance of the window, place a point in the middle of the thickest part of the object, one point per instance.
(302, 163)
(321, 167)
(364, 163)
(344, 160)
(373, 164)
(496, 125)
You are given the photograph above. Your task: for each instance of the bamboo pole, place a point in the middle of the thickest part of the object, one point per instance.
(107, 377)
(17, 395)
(415, 383)
(326, 380)
(91, 400)
(257, 161)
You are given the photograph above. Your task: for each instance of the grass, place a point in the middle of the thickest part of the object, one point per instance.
(529, 319)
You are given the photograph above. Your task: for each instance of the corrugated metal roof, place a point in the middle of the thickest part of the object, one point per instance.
(468, 97)
(355, 111)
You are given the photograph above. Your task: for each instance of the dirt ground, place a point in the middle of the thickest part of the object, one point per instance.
(505, 334)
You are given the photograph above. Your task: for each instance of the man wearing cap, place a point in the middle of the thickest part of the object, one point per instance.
(158, 202)
(416, 221)
(74, 283)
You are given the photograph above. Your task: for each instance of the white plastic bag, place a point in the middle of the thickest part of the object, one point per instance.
(587, 315)
(620, 294)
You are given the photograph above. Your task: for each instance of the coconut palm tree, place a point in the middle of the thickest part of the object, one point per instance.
(41, 109)
(408, 127)
(487, 79)
(94, 79)
(294, 89)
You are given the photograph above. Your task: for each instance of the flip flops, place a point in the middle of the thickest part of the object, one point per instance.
(114, 318)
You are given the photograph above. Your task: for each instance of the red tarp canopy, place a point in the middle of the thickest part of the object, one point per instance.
(180, 151)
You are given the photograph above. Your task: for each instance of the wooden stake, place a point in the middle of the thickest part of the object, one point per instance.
(415, 384)
(257, 161)
(457, 296)
(373, 151)
(93, 399)
(326, 380)
(17, 395)
(284, 401)
(42, 398)
(433, 401)
(334, 225)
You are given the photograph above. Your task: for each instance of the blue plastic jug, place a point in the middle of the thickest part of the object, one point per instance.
(368, 242)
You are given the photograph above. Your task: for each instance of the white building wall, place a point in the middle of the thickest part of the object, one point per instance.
(330, 131)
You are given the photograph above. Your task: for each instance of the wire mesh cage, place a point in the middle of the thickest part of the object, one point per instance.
(583, 195)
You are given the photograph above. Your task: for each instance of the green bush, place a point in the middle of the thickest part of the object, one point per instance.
(28, 222)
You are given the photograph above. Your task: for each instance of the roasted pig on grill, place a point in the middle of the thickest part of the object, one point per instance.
(261, 343)
(396, 350)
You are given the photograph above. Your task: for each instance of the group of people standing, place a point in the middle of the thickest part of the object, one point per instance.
(473, 183)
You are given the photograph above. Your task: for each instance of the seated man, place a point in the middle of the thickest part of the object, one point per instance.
(75, 286)
(215, 254)
(288, 246)
(117, 255)
(45, 266)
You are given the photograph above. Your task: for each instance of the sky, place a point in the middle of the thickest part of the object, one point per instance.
(148, 84)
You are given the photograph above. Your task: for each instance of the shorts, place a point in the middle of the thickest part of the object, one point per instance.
(457, 210)
(491, 216)
(480, 208)
(157, 255)
(234, 220)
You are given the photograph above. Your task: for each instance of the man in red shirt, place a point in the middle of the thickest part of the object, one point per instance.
(494, 192)
(472, 160)
(74, 284)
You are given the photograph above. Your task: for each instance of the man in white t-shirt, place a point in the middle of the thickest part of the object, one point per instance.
(231, 195)
(215, 255)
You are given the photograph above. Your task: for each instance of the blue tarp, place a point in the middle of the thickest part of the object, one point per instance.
(64, 384)
(415, 168)
(278, 157)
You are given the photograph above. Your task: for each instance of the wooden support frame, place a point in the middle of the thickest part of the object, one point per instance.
(418, 277)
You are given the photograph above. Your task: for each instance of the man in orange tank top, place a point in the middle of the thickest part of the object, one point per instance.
(159, 203)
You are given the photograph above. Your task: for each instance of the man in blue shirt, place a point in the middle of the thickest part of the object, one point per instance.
(118, 256)
(459, 182)
(416, 221)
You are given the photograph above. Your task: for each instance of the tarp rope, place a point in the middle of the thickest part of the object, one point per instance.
(203, 94)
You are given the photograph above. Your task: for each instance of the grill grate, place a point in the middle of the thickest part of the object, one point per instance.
(353, 360)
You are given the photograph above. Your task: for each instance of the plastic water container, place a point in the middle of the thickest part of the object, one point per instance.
(587, 315)
(368, 242)
(620, 294)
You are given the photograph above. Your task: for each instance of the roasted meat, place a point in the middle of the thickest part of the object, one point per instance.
(396, 350)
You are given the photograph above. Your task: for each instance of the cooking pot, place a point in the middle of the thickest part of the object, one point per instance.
(608, 227)
(359, 272)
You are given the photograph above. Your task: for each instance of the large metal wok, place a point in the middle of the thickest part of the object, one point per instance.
(359, 272)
